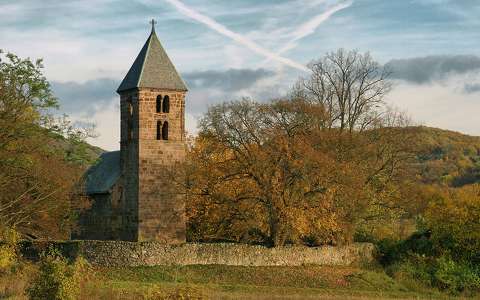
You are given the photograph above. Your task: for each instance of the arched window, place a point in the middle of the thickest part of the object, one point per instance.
(159, 103)
(159, 130)
(165, 131)
(166, 104)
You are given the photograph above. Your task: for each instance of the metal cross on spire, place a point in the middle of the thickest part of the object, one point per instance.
(153, 22)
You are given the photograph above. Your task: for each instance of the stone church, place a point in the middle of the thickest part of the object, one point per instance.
(127, 193)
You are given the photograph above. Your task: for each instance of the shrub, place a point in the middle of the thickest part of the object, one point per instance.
(8, 257)
(57, 279)
(455, 277)
(446, 253)
(8, 250)
(392, 252)
(414, 269)
(443, 273)
(454, 221)
(186, 293)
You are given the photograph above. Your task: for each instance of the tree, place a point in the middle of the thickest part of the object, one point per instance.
(350, 87)
(312, 168)
(250, 175)
(35, 177)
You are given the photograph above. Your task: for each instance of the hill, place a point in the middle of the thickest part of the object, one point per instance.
(446, 157)
(77, 152)
(441, 156)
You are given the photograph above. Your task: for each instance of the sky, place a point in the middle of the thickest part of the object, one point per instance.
(227, 50)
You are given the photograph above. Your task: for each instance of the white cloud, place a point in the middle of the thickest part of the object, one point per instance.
(191, 121)
(107, 121)
(439, 105)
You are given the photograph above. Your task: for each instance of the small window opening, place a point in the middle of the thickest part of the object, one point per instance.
(165, 131)
(166, 104)
(159, 104)
(159, 130)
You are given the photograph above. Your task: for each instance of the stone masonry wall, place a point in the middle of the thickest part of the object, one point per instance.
(160, 212)
(101, 219)
(118, 254)
(151, 211)
(129, 107)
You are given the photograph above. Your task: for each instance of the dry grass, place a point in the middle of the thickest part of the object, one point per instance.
(13, 285)
(228, 282)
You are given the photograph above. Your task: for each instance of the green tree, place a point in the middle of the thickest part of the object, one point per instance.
(35, 179)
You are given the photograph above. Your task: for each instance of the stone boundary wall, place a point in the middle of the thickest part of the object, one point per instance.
(117, 254)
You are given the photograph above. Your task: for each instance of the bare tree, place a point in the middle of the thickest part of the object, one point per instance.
(350, 86)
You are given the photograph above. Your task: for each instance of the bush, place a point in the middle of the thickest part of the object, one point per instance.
(8, 257)
(446, 253)
(414, 269)
(186, 293)
(455, 277)
(392, 252)
(8, 250)
(454, 220)
(443, 273)
(57, 279)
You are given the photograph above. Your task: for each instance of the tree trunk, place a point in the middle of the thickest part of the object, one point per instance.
(275, 232)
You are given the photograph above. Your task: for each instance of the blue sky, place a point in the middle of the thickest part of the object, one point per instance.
(230, 49)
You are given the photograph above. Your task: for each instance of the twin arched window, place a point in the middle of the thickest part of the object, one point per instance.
(162, 130)
(163, 105)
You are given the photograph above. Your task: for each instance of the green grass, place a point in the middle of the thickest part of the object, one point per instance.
(230, 282)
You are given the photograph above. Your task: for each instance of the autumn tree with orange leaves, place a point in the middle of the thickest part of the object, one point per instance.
(309, 169)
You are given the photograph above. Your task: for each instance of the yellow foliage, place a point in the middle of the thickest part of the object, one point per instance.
(453, 216)
(8, 257)
(8, 249)
(287, 183)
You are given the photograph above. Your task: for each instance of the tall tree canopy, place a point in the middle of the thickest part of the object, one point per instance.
(308, 169)
(36, 177)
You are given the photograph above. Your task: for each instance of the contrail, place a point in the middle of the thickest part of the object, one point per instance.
(309, 27)
(191, 13)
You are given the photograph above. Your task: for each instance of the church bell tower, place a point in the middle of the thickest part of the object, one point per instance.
(152, 104)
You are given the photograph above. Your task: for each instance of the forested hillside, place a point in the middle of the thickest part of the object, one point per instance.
(442, 156)
(446, 157)
(79, 152)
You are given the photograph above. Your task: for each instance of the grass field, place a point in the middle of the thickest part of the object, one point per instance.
(228, 282)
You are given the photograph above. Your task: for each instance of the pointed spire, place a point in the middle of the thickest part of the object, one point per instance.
(153, 22)
(152, 68)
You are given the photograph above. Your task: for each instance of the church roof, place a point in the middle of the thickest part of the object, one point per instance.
(101, 177)
(152, 69)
